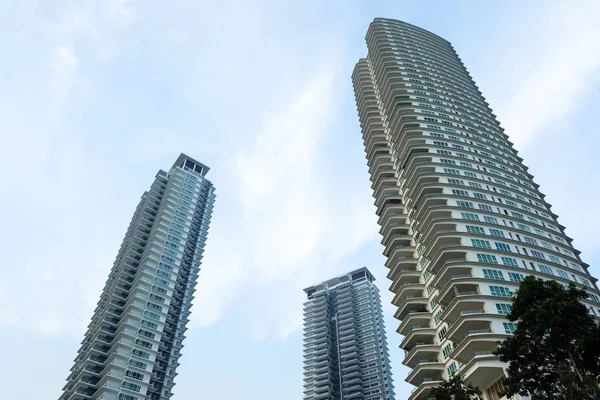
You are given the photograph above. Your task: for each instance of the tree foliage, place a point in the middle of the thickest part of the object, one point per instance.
(456, 389)
(555, 351)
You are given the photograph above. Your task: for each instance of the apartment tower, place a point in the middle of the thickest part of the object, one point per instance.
(462, 220)
(132, 346)
(345, 348)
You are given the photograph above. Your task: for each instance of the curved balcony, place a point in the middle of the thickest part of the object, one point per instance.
(434, 215)
(421, 353)
(410, 306)
(413, 321)
(439, 227)
(406, 277)
(390, 201)
(446, 257)
(406, 265)
(378, 145)
(483, 370)
(387, 192)
(386, 185)
(457, 288)
(451, 239)
(477, 345)
(452, 272)
(428, 194)
(423, 391)
(468, 325)
(401, 255)
(399, 232)
(417, 335)
(463, 305)
(419, 162)
(392, 218)
(426, 371)
(380, 160)
(401, 242)
(408, 290)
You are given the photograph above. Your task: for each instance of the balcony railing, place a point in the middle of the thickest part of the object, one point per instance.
(472, 312)
(461, 276)
(467, 293)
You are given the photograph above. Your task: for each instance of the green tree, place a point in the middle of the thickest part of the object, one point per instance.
(456, 389)
(555, 350)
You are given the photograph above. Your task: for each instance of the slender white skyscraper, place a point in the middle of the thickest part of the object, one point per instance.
(345, 348)
(462, 220)
(132, 346)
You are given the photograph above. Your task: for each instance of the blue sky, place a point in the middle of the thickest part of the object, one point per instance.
(96, 96)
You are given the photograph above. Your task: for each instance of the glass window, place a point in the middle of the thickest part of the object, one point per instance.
(545, 269)
(500, 291)
(462, 193)
(134, 375)
(451, 171)
(524, 227)
(163, 274)
(161, 281)
(594, 297)
(585, 282)
(452, 369)
(131, 386)
(515, 277)
(485, 207)
(140, 353)
(475, 229)
(496, 232)
(490, 220)
(503, 309)
(509, 261)
(562, 274)
(537, 254)
(143, 343)
(502, 247)
(510, 327)
(487, 258)
(484, 244)
(447, 350)
(149, 324)
(493, 274)
(554, 259)
(152, 315)
(469, 216)
(123, 396)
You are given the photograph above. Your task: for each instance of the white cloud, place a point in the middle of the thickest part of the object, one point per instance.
(121, 11)
(289, 232)
(557, 58)
(65, 67)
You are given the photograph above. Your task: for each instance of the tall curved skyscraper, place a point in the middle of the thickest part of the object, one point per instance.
(132, 346)
(463, 221)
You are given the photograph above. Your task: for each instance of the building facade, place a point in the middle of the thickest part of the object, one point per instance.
(133, 343)
(462, 220)
(345, 347)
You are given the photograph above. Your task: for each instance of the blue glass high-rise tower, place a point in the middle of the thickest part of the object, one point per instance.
(132, 346)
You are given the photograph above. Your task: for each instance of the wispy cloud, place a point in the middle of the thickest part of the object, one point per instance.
(289, 231)
(556, 58)
(64, 67)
